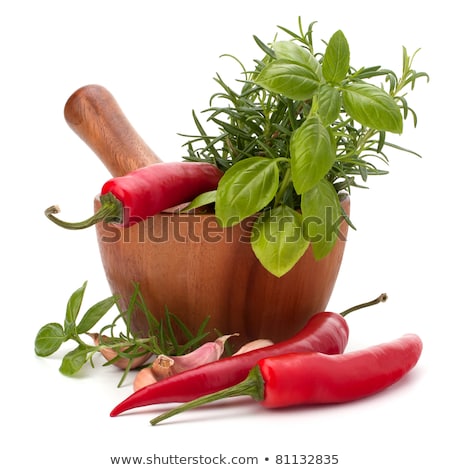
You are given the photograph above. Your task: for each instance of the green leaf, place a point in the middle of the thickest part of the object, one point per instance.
(74, 360)
(336, 60)
(244, 189)
(49, 339)
(295, 81)
(322, 215)
(73, 308)
(201, 200)
(292, 52)
(372, 107)
(329, 101)
(277, 239)
(94, 314)
(312, 154)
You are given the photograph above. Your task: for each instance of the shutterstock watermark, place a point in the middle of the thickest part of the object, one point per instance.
(204, 228)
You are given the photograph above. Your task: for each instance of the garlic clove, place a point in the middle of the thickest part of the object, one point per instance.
(122, 363)
(208, 352)
(161, 367)
(252, 345)
(165, 366)
(143, 378)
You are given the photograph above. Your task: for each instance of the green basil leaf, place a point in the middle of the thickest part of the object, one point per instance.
(372, 107)
(246, 188)
(49, 339)
(291, 51)
(277, 239)
(201, 200)
(291, 79)
(74, 360)
(94, 314)
(336, 60)
(73, 308)
(322, 216)
(313, 153)
(329, 101)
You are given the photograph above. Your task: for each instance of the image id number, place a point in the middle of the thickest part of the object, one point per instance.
(307, 459)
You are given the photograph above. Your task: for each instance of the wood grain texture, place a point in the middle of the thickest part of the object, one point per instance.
(95, 116)
(195, 268)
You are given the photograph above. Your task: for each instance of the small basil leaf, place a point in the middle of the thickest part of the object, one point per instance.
(336, 60)
(329, 101)
(290, 51)
(277, 239)
(49, 339)
(201, 200)
(244, 189)
(94, 314)
(74, 360)
(295, 81)
(73, 308)
(312, 154)
(372, 107)
(322, 216)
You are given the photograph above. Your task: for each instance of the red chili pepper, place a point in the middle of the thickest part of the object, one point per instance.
(316, 378)
(326, 332)
(147, 191)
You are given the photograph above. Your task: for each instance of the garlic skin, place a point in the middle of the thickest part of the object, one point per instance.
(208, 352)
(161, 367)
(252, 345)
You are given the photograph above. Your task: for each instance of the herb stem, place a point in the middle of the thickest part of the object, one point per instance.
(283, 186)
(126, 344)
(159, 338)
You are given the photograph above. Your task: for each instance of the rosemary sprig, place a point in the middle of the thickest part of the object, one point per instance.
(254, 121)
(161, 337)
(301, 127)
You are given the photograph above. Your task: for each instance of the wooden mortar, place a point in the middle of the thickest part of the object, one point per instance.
(188, 263)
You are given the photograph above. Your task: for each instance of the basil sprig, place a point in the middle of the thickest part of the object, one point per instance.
(159, 339)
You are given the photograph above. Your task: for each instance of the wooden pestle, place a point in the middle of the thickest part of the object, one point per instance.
(95, 116)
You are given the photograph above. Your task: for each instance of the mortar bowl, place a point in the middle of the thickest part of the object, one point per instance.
(191, 266)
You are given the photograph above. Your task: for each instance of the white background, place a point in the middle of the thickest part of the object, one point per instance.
(158, 61)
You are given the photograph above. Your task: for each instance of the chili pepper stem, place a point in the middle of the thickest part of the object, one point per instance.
(110, 211)
(379, 299)
(252, 386)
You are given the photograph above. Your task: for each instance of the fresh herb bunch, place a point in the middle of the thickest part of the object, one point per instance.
(160, 339)
(299, 132)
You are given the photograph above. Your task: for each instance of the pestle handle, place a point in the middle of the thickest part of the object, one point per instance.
(95, 116)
